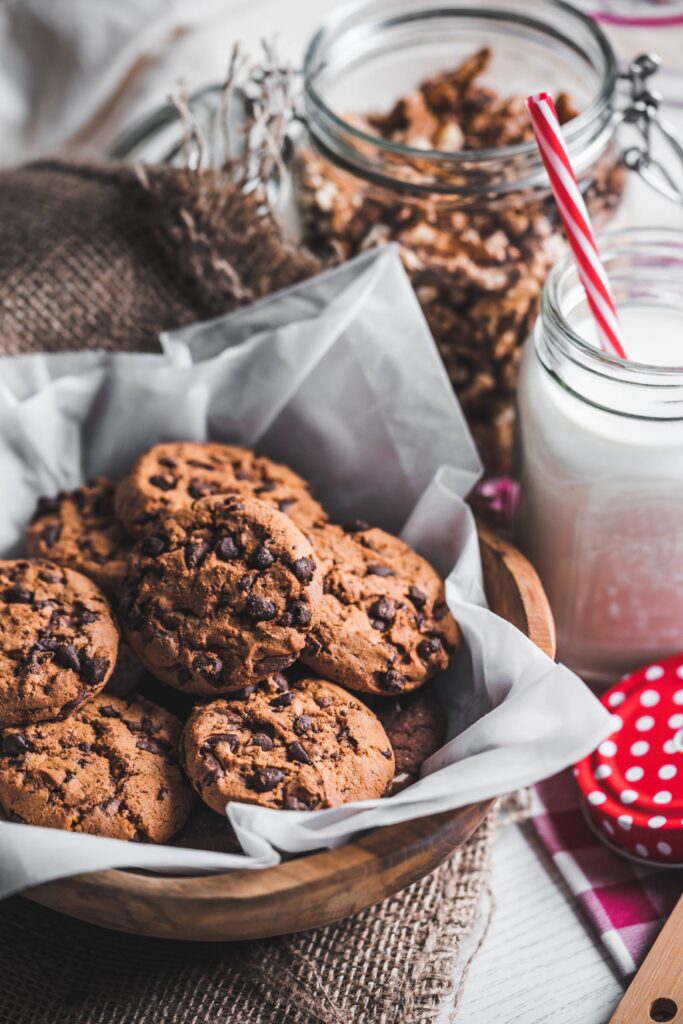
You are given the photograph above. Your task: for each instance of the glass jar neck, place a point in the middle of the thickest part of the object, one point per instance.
(645, 270)
(356, 45)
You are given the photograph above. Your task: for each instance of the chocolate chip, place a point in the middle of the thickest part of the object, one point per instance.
(440, 609)
(300, 612)
(13, 744)
(163, 482)
(377, 569)
(262, 558)
(296, 752)
(388, 754)
(50, 577)
(259, 609)
(195, 553)
(207, 666)
(323, 701)
(266, 487)
(383, 608)
(85, 747)
(229, 738)
(18, 595)
(201, 465)
(168, 462)
(429, 648)
(280, 683)
(200, 488)
(285, 504)
(391, 680)
(293, 803)
(283, 701)
(227, 550)
(357, 526)
(107, 711)
(93, 670)
(417, 596)
(304, 569)
(66, 655)
(152, 746)
(267, 665)
(110, 806)
(380, 625)
(302, 724)
(259, 739)
(265, 779)
(153, 546)
(50, 534)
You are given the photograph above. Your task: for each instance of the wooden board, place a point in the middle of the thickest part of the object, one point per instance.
(311, 890)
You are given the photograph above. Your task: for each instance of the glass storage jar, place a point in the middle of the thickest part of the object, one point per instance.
(477, 228)
(600, 448)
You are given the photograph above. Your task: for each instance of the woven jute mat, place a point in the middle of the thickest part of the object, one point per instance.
(391, 964)
(106, 257)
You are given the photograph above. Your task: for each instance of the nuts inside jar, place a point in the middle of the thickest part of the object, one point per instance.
(476, 261)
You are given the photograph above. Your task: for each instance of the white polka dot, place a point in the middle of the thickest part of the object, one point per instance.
(617, 722)
(641, 850)
(603, 771)
(596, 798)
(654, 672)
(645, 723)
(625, 821)
(634, 774)
(639, 748)
(676, 721)
(657, 821)
(664, 848)
(678, 697)
(617, 698)
(608, 827)
(669, 747)
(607, 748)
(667, 771)
(649, 698)
(662, 797)
(628, 796)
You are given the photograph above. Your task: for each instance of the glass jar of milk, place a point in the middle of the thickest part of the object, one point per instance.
(600, 456)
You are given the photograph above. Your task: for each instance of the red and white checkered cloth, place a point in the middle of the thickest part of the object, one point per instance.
(626, 903)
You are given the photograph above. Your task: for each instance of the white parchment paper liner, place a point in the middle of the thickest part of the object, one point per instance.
(339, 378)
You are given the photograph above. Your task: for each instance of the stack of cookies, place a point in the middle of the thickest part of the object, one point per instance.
(298, 645)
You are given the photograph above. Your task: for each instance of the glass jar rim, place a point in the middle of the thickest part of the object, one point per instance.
(557, 327)
(573, 128)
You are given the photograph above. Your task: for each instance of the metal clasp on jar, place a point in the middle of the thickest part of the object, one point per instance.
(643, 113)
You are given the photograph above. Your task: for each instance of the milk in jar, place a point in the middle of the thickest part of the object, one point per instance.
(600, 459)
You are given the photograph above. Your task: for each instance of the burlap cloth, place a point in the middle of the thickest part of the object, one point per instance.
(106, 257)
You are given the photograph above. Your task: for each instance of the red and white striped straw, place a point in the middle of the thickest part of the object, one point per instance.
(577, 225)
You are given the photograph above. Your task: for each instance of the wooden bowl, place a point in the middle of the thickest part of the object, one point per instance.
(311, 890)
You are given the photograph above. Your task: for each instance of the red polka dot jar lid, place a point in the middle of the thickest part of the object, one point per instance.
(632, 785)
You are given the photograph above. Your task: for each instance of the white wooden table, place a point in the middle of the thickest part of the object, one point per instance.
(539, 962)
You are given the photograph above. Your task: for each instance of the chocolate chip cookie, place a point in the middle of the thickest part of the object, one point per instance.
(300, 747)
(416, 730)
(58, 641)
(222, 595)
(78, 529)
(384, 626)
(111, 769)
(171, 476)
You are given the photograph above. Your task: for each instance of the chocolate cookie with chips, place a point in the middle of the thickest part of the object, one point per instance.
(111, 769)
(79, 529)
(222, 595)
(171, 476)
(300, 747)
(384, 626)
(58, 641)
